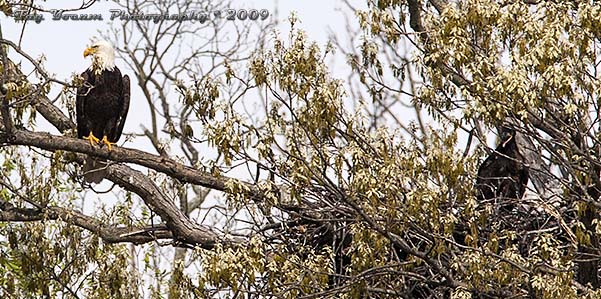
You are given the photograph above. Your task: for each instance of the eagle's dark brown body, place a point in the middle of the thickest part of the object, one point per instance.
(503, 174)
(102, 104)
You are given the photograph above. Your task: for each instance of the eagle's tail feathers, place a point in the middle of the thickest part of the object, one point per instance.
(93, 171)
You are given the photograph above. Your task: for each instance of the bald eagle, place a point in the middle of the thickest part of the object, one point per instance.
(101, 105)
(503, 174)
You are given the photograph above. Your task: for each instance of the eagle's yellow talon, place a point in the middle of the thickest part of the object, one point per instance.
(107, 142)
(93, 140)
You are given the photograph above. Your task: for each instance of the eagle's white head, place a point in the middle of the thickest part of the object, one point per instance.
(103, 56)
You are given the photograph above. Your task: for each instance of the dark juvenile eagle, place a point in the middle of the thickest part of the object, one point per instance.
(503, 174)
(102, 104)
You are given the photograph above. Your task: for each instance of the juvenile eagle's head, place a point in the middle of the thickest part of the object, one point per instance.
(103, 56)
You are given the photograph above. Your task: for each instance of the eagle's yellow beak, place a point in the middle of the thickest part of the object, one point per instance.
(88, 51)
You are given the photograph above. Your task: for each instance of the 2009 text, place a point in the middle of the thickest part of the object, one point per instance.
(243, 14)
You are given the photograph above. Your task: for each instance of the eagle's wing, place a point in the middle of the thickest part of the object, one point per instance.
(125, 94)
(485, 169)
(80, 98)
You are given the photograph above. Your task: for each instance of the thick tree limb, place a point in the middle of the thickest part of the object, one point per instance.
(120, 154)
(110, 234)
(7, 124)
(183, 228)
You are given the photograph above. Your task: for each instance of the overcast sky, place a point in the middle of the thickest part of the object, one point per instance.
(63, 42)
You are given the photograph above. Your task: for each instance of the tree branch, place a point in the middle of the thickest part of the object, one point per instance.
(161, 164)
(110, 234)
